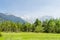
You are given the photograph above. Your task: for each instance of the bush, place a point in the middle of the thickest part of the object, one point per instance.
(0, 34)
(39, 29)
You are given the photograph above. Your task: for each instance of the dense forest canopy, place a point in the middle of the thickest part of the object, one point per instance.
(47, 26)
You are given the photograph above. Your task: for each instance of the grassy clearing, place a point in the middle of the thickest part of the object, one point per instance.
(29, 36)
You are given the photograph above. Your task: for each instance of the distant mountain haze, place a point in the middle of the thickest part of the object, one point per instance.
(32, 19)
(45, 17)
(22, 19)
(11, 18)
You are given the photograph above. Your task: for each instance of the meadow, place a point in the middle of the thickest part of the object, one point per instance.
(29, 36)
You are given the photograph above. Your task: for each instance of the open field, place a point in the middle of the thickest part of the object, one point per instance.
(29, 36)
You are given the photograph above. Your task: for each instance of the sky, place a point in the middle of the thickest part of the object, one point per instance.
(32, 8)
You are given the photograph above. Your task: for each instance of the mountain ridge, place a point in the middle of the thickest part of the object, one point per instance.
(11, 18)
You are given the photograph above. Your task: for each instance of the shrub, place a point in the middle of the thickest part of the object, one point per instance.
(0, 34)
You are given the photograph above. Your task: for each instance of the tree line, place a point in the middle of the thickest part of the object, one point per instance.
(47, 26)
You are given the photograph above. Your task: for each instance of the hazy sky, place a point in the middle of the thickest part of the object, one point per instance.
(31, 7)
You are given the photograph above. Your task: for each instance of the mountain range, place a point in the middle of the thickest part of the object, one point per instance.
(22, 19)
(11, 18)
(32, 19)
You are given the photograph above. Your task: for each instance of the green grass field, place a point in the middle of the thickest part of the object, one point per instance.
(29, 36)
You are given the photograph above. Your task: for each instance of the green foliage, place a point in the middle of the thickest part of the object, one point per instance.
(39, 29)
(48, 26)
(38, 26)
(45, 25)
(0, 34)
(38, 22)
(51, 25)
(57, 28)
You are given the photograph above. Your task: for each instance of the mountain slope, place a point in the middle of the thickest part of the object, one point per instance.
(11, 18)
